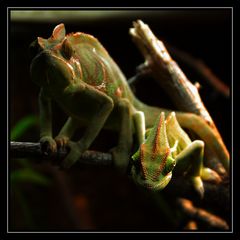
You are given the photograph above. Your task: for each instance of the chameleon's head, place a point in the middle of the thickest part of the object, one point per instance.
(51, 59)
(153, 163)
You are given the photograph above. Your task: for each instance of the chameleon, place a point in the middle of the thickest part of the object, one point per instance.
(77, 72)
(167, 147)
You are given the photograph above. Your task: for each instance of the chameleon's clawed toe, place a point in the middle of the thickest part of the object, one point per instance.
(61, 141)
(48, 145)
(210, 175)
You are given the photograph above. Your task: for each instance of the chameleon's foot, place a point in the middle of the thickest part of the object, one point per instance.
(48, 145)
(210, 175)
(207, 174)
(62, 141)
(198, 185)
(120, 159)
(73, 155)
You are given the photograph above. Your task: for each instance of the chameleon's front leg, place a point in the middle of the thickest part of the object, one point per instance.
(48, 145)
(105, 104)
(67, 132)
(190, 160)
(121, 153)
(140, 127)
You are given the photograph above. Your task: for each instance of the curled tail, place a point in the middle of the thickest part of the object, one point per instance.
(194, 123)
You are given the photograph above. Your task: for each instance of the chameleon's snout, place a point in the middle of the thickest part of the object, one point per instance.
(46, 57)
(56, 70)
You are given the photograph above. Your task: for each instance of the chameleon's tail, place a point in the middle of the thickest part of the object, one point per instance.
(192, 122)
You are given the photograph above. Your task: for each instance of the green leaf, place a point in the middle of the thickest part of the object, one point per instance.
(22, 126)
(28, 175)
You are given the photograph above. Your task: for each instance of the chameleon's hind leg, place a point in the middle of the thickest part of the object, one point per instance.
(190, 160)
(121, 153)
(208, 134)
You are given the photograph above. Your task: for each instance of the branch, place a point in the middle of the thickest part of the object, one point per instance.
(202, 215)
(33, 150)
(167, 73)
(215, 194)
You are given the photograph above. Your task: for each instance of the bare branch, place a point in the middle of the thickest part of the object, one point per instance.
(202, 215)
(27, 149)
(175, 83)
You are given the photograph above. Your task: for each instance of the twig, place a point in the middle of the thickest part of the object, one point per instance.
(27, 149)
(171, 78)
(202, 215)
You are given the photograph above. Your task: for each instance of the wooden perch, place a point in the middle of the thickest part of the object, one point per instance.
(33, 150)
(178, 187)
(202, 215)
(173, 81)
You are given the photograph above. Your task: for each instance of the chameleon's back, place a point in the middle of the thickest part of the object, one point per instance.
(97, 68)
(75, 57)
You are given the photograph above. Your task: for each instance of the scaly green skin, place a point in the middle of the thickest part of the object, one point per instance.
(77, 72)
(168, 147)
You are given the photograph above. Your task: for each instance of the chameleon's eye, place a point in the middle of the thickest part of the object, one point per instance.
(66, 50)
(169, 165)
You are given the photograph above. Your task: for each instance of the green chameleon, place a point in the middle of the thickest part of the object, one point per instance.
(76, 71)
(167, 146)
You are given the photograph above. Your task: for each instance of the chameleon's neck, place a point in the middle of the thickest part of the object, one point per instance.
(151, 113)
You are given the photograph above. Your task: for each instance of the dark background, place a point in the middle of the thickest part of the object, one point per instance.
(105, 200)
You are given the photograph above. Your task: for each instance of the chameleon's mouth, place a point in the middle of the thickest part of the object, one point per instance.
(158, 186)
(57, 62)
